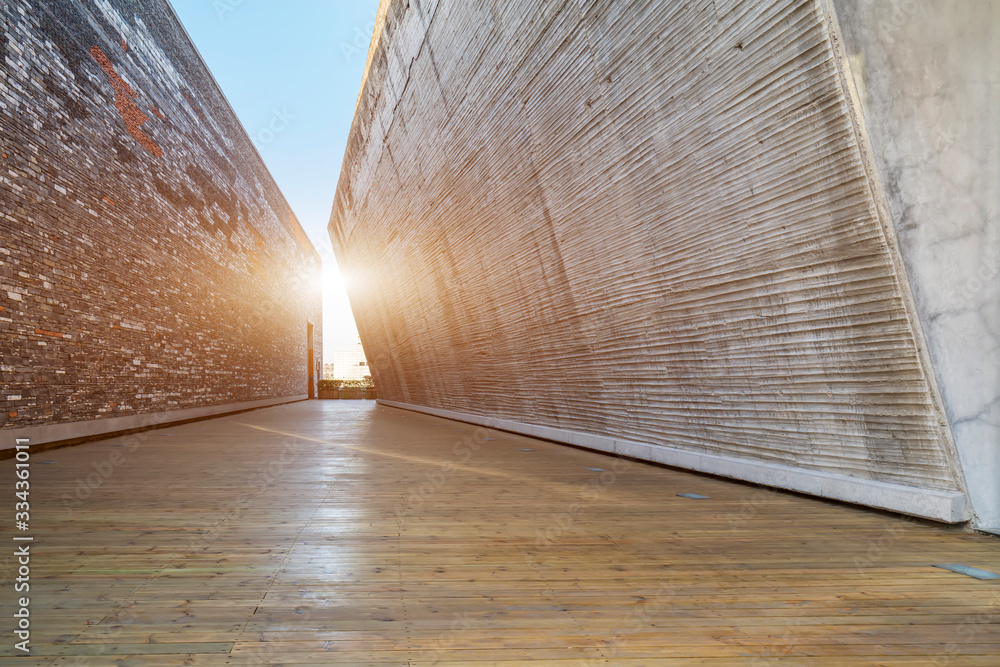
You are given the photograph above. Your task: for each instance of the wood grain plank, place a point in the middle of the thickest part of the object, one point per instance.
(209, 563)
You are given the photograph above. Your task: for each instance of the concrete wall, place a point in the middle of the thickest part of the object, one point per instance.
(149, 265)
(929, 85)
(650, 228)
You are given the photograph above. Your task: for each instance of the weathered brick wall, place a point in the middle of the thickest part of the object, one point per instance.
(148, 262)
(651, 222)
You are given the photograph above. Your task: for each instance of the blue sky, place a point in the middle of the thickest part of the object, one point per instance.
(296, 67)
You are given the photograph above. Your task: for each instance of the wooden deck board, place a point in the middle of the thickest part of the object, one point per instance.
(231, 542)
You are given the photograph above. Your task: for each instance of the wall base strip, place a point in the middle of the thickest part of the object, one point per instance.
(51, 433)
(947, 506)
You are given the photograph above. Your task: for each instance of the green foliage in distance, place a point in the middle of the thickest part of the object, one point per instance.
(365, 383)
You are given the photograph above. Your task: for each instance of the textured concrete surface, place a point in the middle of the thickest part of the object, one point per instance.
(654, 222)
(930, 93)
(148, 262)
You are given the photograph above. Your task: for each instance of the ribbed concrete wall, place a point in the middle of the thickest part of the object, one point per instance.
(929, 87)
(149, 265)
(653, 228)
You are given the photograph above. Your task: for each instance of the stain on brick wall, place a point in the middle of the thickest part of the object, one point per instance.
(129, 110)
(148, 261)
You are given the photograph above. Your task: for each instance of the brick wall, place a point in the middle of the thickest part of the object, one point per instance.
(148, 261)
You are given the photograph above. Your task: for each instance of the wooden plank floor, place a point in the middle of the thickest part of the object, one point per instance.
(337, 532)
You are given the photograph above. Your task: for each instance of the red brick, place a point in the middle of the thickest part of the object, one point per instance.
(43, 332)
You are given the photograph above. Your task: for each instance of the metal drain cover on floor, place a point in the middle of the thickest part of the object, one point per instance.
(973, 572)
(693, 496)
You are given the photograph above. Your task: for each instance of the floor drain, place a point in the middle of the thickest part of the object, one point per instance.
(973, 572)
(693, 496)
(597, 469)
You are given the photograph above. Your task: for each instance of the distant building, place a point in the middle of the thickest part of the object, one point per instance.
(347, 364)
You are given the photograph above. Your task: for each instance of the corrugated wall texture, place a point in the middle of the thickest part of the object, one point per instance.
(645, 220)
(148, 261)
(926, 71)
